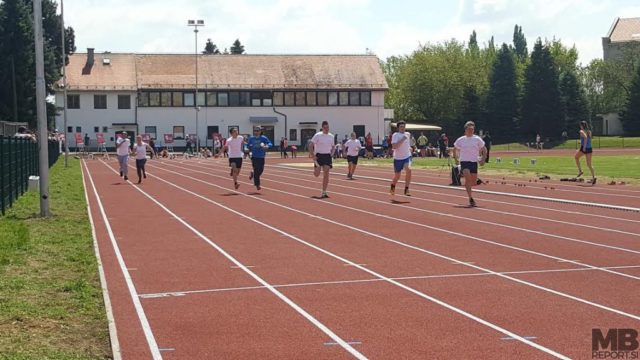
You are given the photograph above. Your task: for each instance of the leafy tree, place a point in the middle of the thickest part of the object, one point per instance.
(237, 48)
(210, 48)
(541, 105)
(630, 116)
(473, 48)
(502, 101)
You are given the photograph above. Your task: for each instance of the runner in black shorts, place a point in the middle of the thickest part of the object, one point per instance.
(352, 149)
(469, 149)
(586, 149)
(235, 145)
(322, 146)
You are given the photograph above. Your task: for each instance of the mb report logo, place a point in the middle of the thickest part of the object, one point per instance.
(616, 344)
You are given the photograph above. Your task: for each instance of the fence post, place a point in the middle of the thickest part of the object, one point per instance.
(623, 141)
(3, 171)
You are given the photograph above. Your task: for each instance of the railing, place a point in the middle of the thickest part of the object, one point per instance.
(18, 161)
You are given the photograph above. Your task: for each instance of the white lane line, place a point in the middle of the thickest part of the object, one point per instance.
(599, 228)
(297, 211)
(486, 200)
(264, 283)
(415, 223)
(151, 341)
(371, 272)
(526, 337)
(113, 333)
(348, 342)
(341, 282)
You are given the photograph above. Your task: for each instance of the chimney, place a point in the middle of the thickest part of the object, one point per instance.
(90, 57)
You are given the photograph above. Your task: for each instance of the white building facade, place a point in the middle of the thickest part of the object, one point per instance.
(288, 95)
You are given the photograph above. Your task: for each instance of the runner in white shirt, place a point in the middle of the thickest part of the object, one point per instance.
(140, 152)
(234, 145)
(322, 146)
(352, 147)
(122, 150)
(401, 144)
(469, 150)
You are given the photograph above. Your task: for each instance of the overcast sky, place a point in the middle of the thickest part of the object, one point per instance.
(337, 26)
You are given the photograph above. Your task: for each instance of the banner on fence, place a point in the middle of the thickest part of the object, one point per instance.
(79, 139)
(100, 138)
(146, 137)
(168, 138)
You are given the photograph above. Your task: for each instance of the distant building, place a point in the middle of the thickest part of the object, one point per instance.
(288, 95)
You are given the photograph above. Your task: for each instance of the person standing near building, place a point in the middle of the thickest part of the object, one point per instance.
(422, 145)
(123, 144)
(368, 146)
(487, 143)
(322, 146)
(352, 149)
(234, 146)
(401, 144)
(87, 139)
(140, 152)
(586, 149)
(258, 144)
(468, 150)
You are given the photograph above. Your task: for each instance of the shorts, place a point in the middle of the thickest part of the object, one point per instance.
(586, 151)
(352, 160)
(369, 148)
(398, 165)
(237, 161)
(471, 165)
(325, 160)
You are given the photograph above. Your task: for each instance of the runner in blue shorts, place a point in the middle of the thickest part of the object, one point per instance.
(401, 144)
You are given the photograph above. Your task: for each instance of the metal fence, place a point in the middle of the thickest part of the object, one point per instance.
(18, 161)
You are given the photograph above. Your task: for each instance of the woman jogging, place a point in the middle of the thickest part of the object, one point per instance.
(258, 144)
(140, 152)
(352, 149)
(468, 150)
(234, 146)
(586, 150)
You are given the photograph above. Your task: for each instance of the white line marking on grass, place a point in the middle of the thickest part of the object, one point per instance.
(523, 282)
(151, 341)
(277, 293)
(371, 272)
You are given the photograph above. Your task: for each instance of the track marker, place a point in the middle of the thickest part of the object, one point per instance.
(508, 338)
(463, 262)
(132, 269)
(331, 343)
(247, 266)
(572, 261)
(167, 349)
(354, 264)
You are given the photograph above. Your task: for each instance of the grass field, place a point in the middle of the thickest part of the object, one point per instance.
(51, 304)
(598, 142)
(606, 167)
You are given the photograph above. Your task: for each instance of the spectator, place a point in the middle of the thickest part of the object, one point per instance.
(24, 133)
(564, 135)
(487, 143)
(86, 140)
(283, 148)
(538, 142)
(443, 145)
(368, 146)
(189, 145)
(422, 144)
(152, 144)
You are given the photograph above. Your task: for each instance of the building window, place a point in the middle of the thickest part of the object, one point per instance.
(333, 98)
(344, 98)
(124, 102)
(311, 98)
(256, 102)
(154, 99)
(73, 101)
(105, 129)
(300, 98)
(278, 98)
(267, 101)
(322, 98)
(165, 99)
(178, 132)
(245, 98)
(69, 129)
(359, 130)
(78, 129)
(143, 99)
(212, 99)
(189, 99)
(293, 135)
(365, 98)
(151, 130)
(256, 98)
(234, 98)
(223, 99)
(99, 101)
(202, 99)
(177, 99)
(289, 98)
(354, 98)
(96, 129)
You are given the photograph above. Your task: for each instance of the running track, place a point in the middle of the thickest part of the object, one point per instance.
(197, 270)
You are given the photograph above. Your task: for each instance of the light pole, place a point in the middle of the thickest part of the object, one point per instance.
(64, 86)
(195, 24)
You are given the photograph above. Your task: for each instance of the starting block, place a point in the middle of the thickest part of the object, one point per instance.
(534, 161)
(516, 161)
(498, 160)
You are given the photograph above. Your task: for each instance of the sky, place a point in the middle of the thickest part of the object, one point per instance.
(386, 28)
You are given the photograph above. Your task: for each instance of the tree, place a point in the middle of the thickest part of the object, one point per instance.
(574, 102)
(237, 48)
(473, 48)
(520, 43)
(630, 116)
(210, 48)
(502, 100)
(471, 110)
(541, 105)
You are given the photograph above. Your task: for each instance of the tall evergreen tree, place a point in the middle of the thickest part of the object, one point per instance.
(541, 105)
(502, 100)
(471, 110)
(210, 48)
(473, 47)
(630, 116)
(520, 43)
(574, 102)
(237, 48)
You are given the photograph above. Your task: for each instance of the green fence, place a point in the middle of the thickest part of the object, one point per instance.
(18, 161)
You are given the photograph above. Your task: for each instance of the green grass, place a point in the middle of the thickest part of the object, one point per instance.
(614, 167)
(598, 142)
(51, 304)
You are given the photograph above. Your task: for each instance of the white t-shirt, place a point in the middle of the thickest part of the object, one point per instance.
(235, 146)
(124, 149)
(353, 147)
(141, 151)
(404, 150)
(469, 147)
(322, 143)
